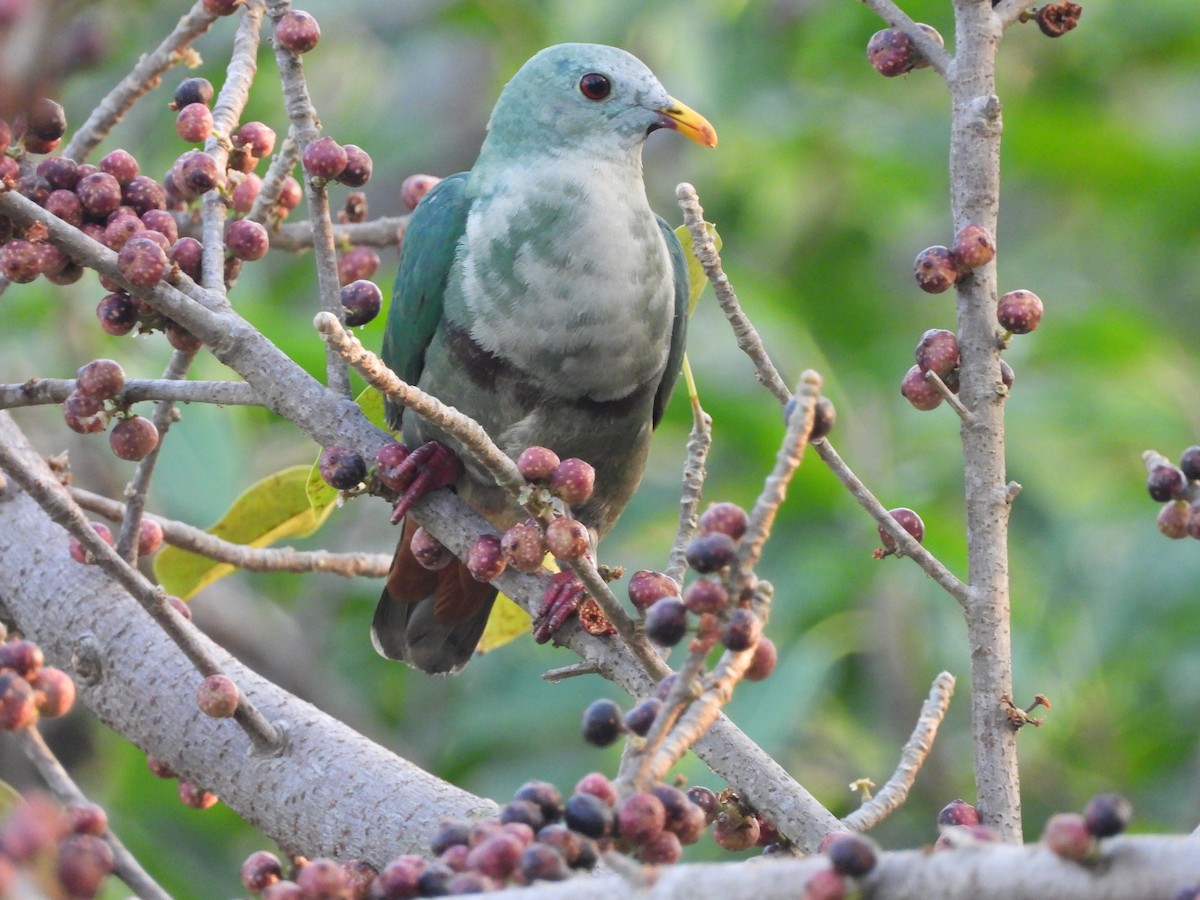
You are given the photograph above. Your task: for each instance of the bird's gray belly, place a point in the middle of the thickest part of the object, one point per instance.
(518, 410)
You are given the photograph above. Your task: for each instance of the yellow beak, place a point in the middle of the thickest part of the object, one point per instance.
(689, 123)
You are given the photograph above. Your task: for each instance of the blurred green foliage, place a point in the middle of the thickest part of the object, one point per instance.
(827, 182)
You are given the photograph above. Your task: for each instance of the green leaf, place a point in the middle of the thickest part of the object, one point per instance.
(274, 508)
(696, 277)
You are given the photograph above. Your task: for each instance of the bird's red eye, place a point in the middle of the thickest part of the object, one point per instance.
(595, 86)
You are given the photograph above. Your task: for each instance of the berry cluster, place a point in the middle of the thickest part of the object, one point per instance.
(61, 850)
(937, 359)
(1177, 487)
(138, 216)
(1076, 836)
(98, 383)
(28, 687)
(719, 617)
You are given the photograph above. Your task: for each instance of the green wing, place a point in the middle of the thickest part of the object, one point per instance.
(428, 252)
(678, 325)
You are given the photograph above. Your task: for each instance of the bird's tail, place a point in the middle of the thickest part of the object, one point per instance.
(430, 620)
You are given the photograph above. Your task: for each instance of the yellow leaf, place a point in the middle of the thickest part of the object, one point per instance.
(274, 508)
(696, 277)
(507, 620)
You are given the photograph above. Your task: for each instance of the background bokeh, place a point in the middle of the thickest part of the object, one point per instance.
(827, 181)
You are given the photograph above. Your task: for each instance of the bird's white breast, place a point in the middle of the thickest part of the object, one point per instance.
(564, 272)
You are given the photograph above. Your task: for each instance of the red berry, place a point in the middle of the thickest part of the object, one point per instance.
(54, 690)
(324, 158)
(388, 460)
(196, 173)
(762, 664)
(247, 240)
(645, 587)
(1067, 835)
(160, 222)
(957, 812)
(641, 817)
(918, 391)
(567, 539)
(133, 438)
(20, 262)
(23, 657)
(121, 165)
(543, 862)
(142, 261)
(290, 194)
(59, 172)
(935, 269)
(86, 818)
(825, 884)
(938, 351)
(909, 521)
(572, 481)
(429, 551)
(727, 518)
(973, 247)
(18, 704)
(120, 228)
(82, 863)
(182, 339)
(705, 596)
(101, 378)
(143, 194)
(1056, 19)
(742, 631)
(1173, 520)
(195, 797)
(523, 547)
(358, 167)
(598, 784)
(77, 551)
(243, 196)
(484, 560)
(194, 123)
(357, 264)
(256, 137)
(890, 52)
(46, 120)
(298, 31)
(66, 205)
(1019, 311)
(537, 463)
(414, 187)
(218, 696)
(84, 413)
(260, 870)
(222, 7)
(322, 879)
(187, 253)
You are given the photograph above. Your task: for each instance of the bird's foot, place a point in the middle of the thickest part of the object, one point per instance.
(429, 467)
(561, 600)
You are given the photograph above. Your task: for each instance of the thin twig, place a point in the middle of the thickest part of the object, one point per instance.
(139, 486)
(43, 391)
(1009, 12)
(251, 559)
(145, 75)
(59, 507)
(948, 395)
(905, 544)
(305, 129)
(929, 49)
(893, 794)
(59, 781)
(743, 331)
(694, 473)
(762, 516)
(282, 164)
(295, 236)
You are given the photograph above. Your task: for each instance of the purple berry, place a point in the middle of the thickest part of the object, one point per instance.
(257, 138)
(133, 438)
(937, 351)
(727, 518)
(973, 247)
(935, 269)
(298, 31)
(121, 165)
(640, 719)
(1019, 311)
(1067, 835)
(666, 621)
(362, 301)
(641, 817)
(852, 855)
(523, 547)
(918, 391)
(1189, 462)
(589, 815)
(957, 812)
(763, 662)
(602, 724)
(1107, 814)
(414, 187)
(890, 52)
(484, 560)
(909, 521)
(742, 631)
(117, 314)
(572, 481)
(142, 261)
(705, 596)
(103, 379)
(567, 539)
(711, 552)
(358, 167)
(356, 264)
(324, 158)
(342, 467)
(537, 463)
(247, 240)
(20, 262)
(1166, 482)
(193, 90)
(645, 587)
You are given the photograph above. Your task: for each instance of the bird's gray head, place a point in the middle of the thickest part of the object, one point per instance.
(570, 95)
